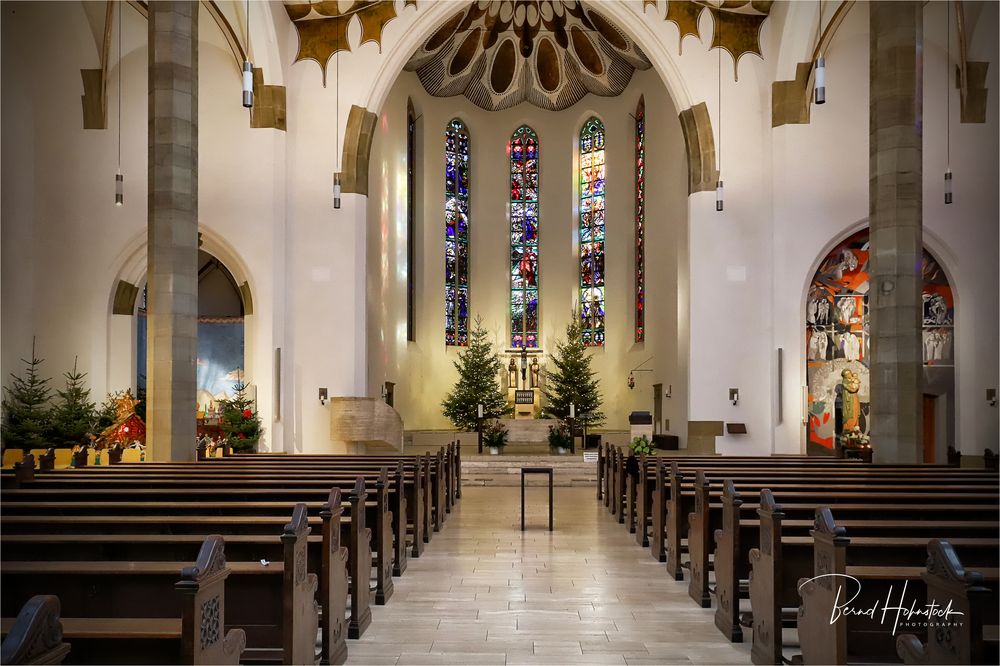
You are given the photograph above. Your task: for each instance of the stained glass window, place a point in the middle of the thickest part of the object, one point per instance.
(640, 221)
(456, 213)
(524, 238)
(411, 153)
(592, 175)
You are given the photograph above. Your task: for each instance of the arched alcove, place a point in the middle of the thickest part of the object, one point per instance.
(837, 349)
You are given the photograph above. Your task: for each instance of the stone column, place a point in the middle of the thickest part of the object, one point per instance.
(172, 295)
(895, 213)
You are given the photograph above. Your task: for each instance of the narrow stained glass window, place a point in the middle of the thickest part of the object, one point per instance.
(640, 221)
(524, 238)
(411, 153)
(592, 173)
(456, 213)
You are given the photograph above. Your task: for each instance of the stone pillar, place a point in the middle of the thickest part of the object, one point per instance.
(895, 213)
(172, 285)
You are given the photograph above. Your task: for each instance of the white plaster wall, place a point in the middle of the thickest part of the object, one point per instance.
(422, 369)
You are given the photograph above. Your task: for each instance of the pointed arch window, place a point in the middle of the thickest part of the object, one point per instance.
(456, 205)
(411, 156)
(524, 223)
(592, 176)
(640, 221)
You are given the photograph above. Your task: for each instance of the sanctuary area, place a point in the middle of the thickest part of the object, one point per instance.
(297, 293)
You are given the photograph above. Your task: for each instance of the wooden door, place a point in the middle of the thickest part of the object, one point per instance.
(930, 409)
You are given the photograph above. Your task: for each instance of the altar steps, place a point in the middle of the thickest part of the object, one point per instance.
(505, 469)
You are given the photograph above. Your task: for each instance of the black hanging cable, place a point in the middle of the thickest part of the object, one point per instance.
(947, 96)
(247, 64)
(119, 178)
(336, 132)
(718, 186)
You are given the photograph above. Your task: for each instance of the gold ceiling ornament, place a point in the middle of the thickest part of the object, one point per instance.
(322, 25)
(736, 23)
(499, 53)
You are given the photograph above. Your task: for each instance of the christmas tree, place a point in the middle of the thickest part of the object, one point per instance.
(573, 380)
(239, 419)
(478, 383)
(75, 416)
(26, 413)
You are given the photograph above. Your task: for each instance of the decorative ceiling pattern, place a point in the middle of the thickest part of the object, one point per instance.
(499, 53)
(736, 23)
(322, 25)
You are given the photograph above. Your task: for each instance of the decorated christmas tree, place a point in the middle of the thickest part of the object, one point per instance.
(239, 420)
(478, 383)
(74, 417)
(573, 381)
(26, 413)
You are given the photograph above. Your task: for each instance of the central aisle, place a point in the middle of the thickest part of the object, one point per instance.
(486, 593)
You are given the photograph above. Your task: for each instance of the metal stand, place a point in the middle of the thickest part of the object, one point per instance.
(536, 470)
(479, 429)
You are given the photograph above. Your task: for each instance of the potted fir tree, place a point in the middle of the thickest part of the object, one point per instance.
(573, 381)
(239, 420)
(27, 418)
(478, 383)
(74, 417)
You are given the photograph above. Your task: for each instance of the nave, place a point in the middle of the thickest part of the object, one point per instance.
(486, 593)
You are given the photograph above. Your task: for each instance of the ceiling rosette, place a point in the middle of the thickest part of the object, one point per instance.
(499, 53)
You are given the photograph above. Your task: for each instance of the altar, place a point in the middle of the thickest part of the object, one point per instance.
(523, 382)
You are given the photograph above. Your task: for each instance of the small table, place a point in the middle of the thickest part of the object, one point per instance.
(536, 470)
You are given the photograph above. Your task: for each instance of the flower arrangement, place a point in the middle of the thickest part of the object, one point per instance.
(559, 437)
(495, 435)
(855, 439)
(641, 445)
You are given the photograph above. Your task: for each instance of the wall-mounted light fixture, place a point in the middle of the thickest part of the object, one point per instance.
(734, 396)
(323, 396)
(991, 397)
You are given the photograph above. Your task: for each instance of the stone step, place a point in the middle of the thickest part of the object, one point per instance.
(505, 470)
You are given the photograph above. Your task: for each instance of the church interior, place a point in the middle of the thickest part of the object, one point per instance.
(714, 282)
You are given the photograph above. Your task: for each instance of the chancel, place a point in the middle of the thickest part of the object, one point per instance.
(499, 331)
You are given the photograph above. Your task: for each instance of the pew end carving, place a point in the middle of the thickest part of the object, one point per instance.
(37, 634)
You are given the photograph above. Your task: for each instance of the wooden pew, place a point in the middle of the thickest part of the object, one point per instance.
(167, 518)
(853, 637)
(228, 493)
(187, 627)
(36, 635)
(952, 586)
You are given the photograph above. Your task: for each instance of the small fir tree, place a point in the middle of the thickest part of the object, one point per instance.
(573, 380)
(26, 412)
(74, 417)
(478, 383)
(239, 420)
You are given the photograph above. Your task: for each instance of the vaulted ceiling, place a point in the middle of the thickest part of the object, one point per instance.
(499, 53)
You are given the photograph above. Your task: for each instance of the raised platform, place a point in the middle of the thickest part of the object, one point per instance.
(505, 470)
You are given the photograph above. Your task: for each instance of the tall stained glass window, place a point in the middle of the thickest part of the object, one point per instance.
(411, 153)
(592, 174)
(456, 213)
(640, 221)
(524, 238)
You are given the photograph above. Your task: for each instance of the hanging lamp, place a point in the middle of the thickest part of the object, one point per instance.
(947, 120)
(820, 78)
(336, 174)
(247, 65)
(119, 177)
(718, 184)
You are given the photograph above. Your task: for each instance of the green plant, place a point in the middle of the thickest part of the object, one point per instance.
(641, 445)
(240, 421)
(573, 381)
(559, 437)
(478, 383)
(495, 435)
(74, 417)
(27, 418)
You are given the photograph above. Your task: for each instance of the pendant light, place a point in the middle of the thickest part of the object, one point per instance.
(336, 174)
(247, 66)
(119, 178)
(820, 78)
(947, 120)
(718, 184)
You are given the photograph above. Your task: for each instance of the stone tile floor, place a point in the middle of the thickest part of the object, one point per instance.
(486, 593)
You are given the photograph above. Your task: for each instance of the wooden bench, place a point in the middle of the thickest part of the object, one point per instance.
(35, 636)
(974, 640)
(827, 638)
(110, 617)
